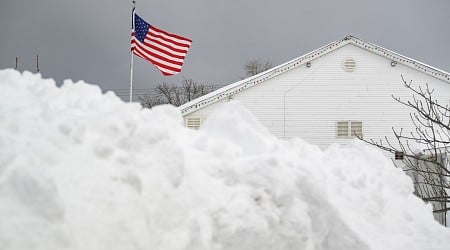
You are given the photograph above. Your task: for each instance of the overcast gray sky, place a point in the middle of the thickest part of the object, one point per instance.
(89, 40)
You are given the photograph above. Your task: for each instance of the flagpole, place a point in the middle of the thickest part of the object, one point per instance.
(131, 62)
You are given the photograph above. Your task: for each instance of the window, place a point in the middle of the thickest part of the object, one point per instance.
(399, 155)
(193, 122)
(349, 129)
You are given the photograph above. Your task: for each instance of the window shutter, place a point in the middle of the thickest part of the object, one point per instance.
(193, 122)
(356, 129)
(342, 129)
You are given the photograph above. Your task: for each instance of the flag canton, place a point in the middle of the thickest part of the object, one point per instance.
(140, 28)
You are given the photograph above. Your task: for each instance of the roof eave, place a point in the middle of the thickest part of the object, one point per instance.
(399, 58)
(230, 90)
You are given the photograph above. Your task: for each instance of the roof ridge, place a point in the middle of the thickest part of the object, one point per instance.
(233, 88)
(399, 58)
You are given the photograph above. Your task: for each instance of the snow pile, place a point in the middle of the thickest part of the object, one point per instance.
(82, 170)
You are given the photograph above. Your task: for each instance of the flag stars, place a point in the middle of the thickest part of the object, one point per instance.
(141, 28)
(164, 50)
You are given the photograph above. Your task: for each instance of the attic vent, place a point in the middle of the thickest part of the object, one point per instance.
(193, 122)
(349, 64)
(342, 129)
(349, 129)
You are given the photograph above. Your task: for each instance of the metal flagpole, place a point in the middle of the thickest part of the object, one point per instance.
(37, 63)
(131, 63)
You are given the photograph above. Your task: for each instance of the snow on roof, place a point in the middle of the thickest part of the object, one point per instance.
(230, 90)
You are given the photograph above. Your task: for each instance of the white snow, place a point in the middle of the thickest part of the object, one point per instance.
(82, 170)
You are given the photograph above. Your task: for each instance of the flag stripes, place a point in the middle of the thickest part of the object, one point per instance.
(164, 66)
(164, 50)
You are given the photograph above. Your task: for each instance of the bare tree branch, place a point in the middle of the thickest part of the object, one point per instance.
(428, 167)
(177, 95)
(254, 67)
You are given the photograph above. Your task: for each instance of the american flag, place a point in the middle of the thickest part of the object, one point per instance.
(164, 50)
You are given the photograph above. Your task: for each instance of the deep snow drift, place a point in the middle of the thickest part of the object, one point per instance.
(82, 170)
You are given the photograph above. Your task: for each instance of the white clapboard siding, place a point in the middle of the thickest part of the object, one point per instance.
(307, 102)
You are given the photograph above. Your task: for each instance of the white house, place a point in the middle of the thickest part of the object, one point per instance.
(325, 95)
(322, 96)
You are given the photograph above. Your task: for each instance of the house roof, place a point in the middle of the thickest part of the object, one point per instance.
(230, 90)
